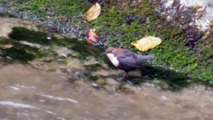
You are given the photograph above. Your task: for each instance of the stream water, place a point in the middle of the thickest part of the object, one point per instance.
(28, 93)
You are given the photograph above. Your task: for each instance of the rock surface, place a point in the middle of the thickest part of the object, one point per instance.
(181, 10)
(8, 23)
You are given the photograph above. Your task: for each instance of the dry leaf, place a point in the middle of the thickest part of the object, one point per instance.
(147, 43)
(93, 12)
(92, 36)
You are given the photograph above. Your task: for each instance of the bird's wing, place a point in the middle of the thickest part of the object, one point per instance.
(128, 60)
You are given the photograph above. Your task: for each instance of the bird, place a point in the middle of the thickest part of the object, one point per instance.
(125, 59)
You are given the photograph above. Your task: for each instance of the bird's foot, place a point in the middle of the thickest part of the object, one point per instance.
(122, 76)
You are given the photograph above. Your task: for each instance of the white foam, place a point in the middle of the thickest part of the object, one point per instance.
(60, 98)
(17, 105)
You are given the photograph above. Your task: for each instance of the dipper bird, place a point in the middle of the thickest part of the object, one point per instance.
(125, 59)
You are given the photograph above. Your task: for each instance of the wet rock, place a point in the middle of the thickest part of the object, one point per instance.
(127, 88)
(101, 81)
(101, 73)
(197, 13)
(39, 65)
(149, 84)
(8, 23)
(164, 98)
(211, 83)
(62, 51)
(78, 75)
(96, 86)
(34, 45)
(161, 84)
(90, 61)
(7, 46)
(111, 85)
(75, 65)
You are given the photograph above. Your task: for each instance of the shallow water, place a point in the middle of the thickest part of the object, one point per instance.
(35, 94)
(30, 94)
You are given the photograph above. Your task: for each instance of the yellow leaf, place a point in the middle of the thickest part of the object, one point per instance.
(147, 43)
(93, 12)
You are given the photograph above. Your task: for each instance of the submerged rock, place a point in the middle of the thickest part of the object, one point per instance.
(62, 51)
(8, 23)
(34, 45)
(111, 85)
(78, 75)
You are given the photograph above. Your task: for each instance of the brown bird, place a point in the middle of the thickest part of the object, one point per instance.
(125, 59)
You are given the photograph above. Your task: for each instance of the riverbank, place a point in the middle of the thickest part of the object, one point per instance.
(186, 50)
(47, 76)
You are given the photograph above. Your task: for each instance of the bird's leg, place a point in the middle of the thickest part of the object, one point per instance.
(125, 75)
(122, 76)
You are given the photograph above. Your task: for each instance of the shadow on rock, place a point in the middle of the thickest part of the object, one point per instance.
(165, 78)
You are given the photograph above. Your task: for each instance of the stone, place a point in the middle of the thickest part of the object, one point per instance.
(62, 51)
(34, 45)
(111, 85)
(75, 65)
(96, 86)
(8, 23)
(127, 88)
(90, 61)
(78, 75)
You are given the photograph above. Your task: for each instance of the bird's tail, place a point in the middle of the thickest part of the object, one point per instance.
(144, 58)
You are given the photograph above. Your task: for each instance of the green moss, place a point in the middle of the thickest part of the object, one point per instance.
(116, 28)
(70, 8)
(20, 34)
(146, 21)
(18, 52)
(113, 26)
(26, 53)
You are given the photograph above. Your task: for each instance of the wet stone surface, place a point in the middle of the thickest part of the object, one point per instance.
(38, 94)
(65, 79)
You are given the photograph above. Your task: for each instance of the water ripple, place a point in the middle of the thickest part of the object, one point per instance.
(17, 105)
(60, 98)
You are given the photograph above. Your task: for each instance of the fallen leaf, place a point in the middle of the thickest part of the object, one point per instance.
(93, 12)
(146, 43)
(92, 36)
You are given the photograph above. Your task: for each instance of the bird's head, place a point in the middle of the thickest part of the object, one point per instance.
(109, 50)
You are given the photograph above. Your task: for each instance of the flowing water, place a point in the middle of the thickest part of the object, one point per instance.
(30, 94)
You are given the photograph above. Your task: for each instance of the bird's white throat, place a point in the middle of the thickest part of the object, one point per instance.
(113, 59)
